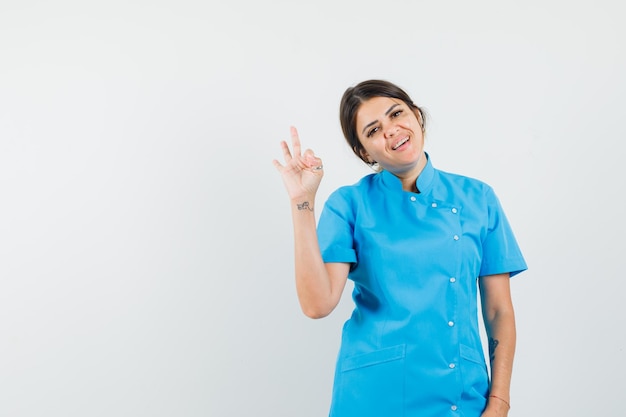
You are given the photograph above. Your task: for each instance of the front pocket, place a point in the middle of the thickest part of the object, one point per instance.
(472, 355)
(474, 373)
(373, 358)
(371, 384)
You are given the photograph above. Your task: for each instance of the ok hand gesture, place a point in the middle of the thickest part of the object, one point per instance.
(302, 172)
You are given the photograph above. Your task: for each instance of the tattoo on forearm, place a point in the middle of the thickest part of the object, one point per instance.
(304, 206)
(493, 344)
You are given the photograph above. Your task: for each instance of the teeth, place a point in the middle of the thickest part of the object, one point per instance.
(401, 143)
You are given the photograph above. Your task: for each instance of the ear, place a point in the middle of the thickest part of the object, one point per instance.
(420, 118)
(364, 155)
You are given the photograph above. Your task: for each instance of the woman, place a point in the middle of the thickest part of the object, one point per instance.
(419, 244)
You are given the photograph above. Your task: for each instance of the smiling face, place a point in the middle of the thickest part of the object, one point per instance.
(392, 136)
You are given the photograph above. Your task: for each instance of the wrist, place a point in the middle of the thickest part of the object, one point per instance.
(500, 400)
(303, 206)
(306, 198)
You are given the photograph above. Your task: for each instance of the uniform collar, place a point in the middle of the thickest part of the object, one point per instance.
(423, 183)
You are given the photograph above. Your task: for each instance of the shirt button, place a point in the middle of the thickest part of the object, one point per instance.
(454, 210)
(453, 408)
(452, 366)
(434, 205)
(456, 237)
(450, 323)
(452, 279)
(413, 198)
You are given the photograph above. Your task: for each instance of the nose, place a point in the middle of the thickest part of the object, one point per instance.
(391, 130)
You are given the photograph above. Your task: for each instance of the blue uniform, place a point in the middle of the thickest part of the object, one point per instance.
(412, 345)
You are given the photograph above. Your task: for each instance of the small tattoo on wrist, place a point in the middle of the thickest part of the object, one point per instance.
(304, 206)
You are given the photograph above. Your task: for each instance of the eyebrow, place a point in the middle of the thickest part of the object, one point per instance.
(376, 121)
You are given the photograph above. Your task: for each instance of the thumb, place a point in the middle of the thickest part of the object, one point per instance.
(311, 160)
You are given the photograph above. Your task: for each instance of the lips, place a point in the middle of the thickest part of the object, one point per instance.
(400, 143)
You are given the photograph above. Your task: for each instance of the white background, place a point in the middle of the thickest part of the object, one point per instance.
(145, 238)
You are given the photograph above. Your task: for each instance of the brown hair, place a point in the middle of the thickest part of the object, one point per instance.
(351, 101)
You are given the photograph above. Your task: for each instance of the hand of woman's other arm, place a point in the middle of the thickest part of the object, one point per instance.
(499, 318)
(494, 409)
(302, 172)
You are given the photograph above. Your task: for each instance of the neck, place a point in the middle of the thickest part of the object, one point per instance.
(409, 185)
(409, 177)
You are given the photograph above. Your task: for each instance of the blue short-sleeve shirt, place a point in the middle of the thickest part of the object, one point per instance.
(412, 345)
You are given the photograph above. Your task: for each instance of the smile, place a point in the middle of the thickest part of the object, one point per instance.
(402, 142)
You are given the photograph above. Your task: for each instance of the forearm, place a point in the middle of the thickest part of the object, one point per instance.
(313, 283)
(502, 336)
(499, 318)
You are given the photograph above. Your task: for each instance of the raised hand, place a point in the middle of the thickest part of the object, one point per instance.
(302, 172)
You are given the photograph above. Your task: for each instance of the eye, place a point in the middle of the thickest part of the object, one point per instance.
(371, 132)
(396, 114)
